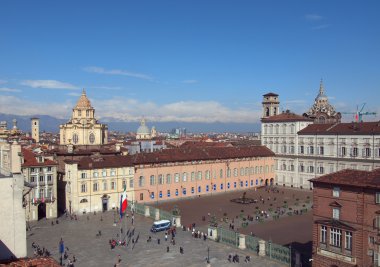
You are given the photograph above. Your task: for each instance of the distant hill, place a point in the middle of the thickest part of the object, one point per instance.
(51, 124)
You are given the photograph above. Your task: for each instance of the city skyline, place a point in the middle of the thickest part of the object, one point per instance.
(187, 62)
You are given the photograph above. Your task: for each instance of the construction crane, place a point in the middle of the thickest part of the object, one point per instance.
(359, 113)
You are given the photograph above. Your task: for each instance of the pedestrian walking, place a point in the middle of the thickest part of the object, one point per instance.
(166, 236)
(133, 219)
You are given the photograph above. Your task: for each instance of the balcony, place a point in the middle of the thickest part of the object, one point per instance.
(336, 256)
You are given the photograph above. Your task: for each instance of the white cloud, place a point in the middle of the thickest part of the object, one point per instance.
(3, 81)
(9, 90)
(49, 84)
(74, 94)
(129, 109)
(184, 111)
(313, 17)
(99, 70)
(190, 81)
(20, 106)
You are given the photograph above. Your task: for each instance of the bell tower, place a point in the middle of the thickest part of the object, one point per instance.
(35, 129)
(271, 105)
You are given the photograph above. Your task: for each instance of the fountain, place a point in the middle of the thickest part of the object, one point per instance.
(244, 199)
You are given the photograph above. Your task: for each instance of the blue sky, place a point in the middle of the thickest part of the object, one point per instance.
(200, 61)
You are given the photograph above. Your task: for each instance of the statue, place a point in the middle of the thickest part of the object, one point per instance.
(176, 211)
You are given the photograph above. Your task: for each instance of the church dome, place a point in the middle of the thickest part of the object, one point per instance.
(83, 101)
(143, 129)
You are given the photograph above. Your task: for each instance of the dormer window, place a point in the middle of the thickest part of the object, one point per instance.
(40, 159)
(336, 213)
(79, 113)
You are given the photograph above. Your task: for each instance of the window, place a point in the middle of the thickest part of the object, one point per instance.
(336, 212)
(83, 175)
(32, 179)
(141, 181)
(113, 185)
(235, 172)
(311, 150)
(207, 174)
(176, 177)
(367, 152)
(168, 179)
(246, 171)
(371, 240)
(32, 170)
(184, 177)
(321, 170)
(192, 176)
(221, 173)
(323, 234)
(95, 187)
(49, 169)
(104, 185)
(113, 172)
(87, 113)
(199, 175)
(83, 188)
(104, 173)
(336, 192)
(79, 113)
(168, 193)
(96, 174)
(228, 172)
(311, 169)
(336, 237)
(354, 152)
(343, 151)
(348, 243)
(131, 183)
(321, 150)
(160, 179)
(91, 138)
(75, 138)
(377, 198)
(302, 168)
(41, 178)
(141, 196)
(152, 180)
(49, 178)
(176, 192)
(241, 171)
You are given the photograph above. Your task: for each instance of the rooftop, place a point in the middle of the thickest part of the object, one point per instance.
(286, 117)
(356, 178)
(30, 159)
(351, 128)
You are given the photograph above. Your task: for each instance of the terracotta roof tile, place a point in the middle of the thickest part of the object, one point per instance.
(285, 117)
(206, 153)
(351, 128)
(30, 159)
(352, 178)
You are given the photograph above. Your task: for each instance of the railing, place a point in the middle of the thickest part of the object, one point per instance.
(228, 237)
(152, 212)
(164, 215)
(252, 243)
(278, 252)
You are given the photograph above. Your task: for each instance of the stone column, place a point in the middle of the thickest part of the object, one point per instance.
(261, 248)
(242, 241)
(147, 211)
(177, 220)
(157, 215)
(212, 233)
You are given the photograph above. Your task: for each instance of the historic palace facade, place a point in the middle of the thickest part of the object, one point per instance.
(95, 183)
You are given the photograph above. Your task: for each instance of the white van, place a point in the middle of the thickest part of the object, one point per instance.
(160, 226)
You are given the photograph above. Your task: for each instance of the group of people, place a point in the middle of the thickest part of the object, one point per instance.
(40, 251)
(235, 258)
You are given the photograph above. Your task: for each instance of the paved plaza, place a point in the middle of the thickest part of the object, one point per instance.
(80, 236)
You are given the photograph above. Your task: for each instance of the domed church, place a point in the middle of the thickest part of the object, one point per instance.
(143, 132)
(322, 111)
(83, 128)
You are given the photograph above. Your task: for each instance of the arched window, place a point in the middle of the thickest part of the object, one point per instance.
(141, 181)
(84, 200)
(267, 112)
(91, 138)
(75, 138)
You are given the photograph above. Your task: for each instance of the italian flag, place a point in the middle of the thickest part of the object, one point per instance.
(123, 203)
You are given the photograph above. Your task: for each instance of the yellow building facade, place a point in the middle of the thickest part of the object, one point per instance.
(83, 128)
